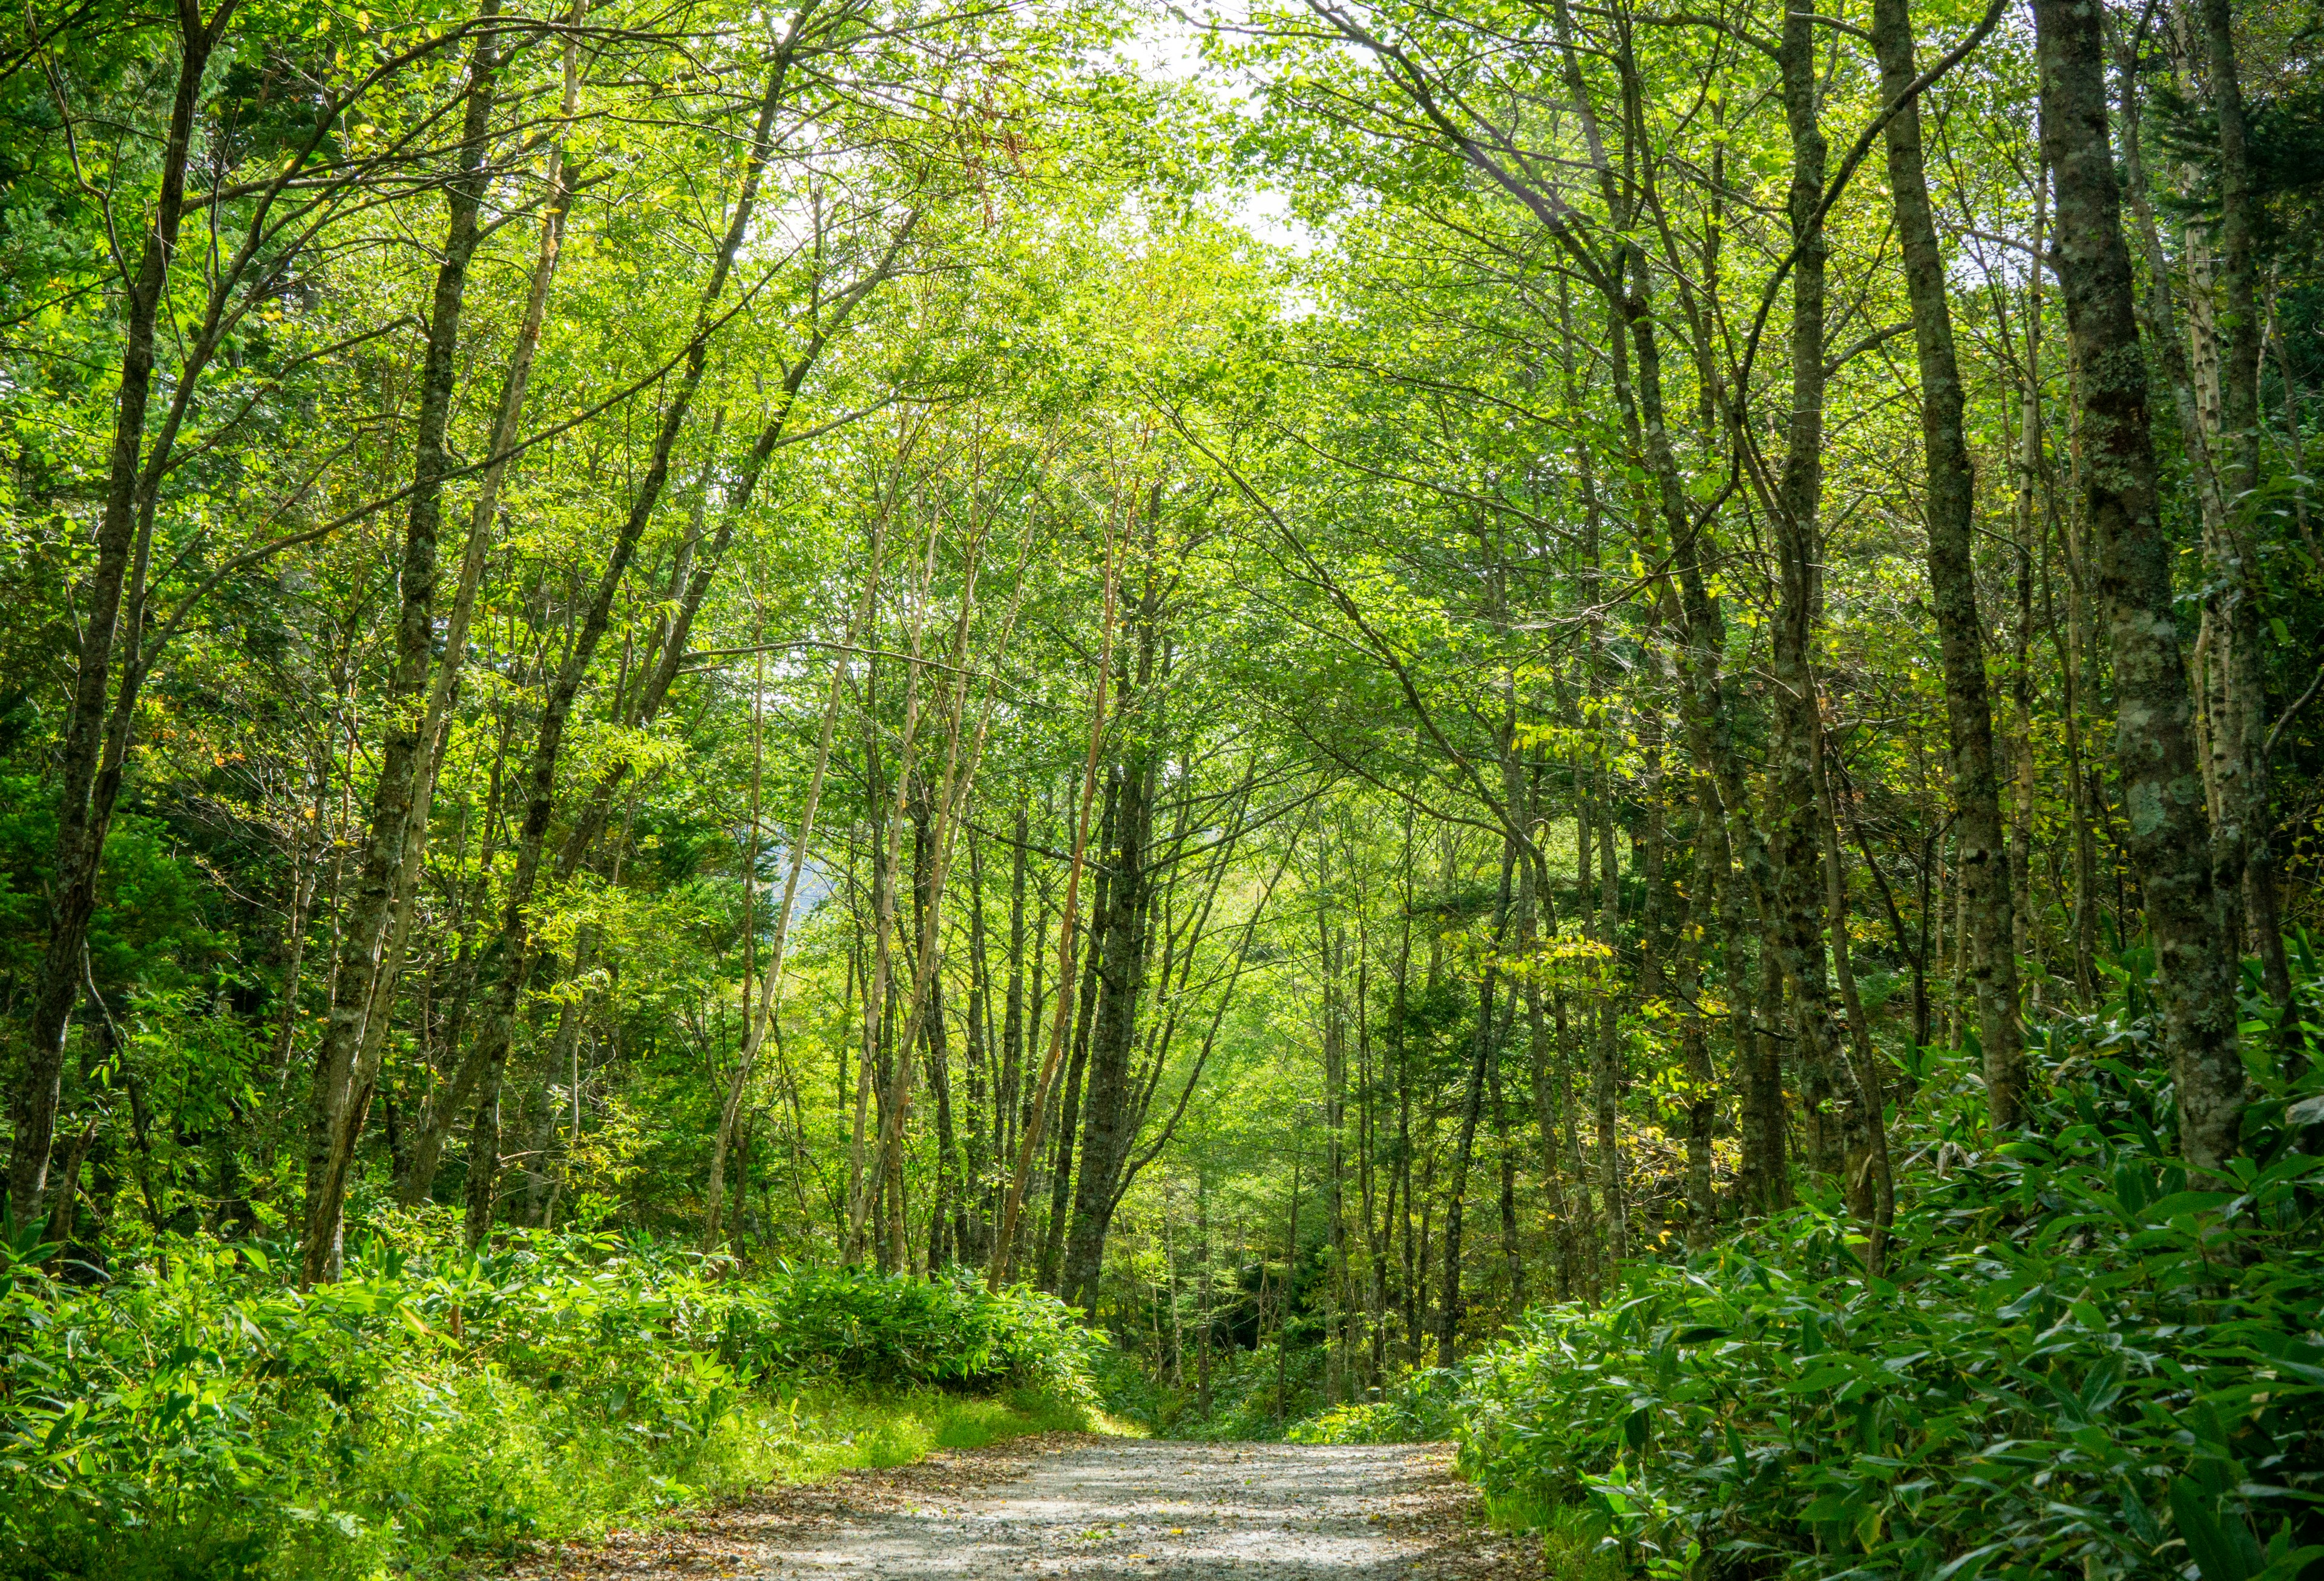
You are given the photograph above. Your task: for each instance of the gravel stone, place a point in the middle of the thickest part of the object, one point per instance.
(1071, 1507)
(1179, 1512)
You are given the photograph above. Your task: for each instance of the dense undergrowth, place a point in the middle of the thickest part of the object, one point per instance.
(197, 1418)
(2081, 1361)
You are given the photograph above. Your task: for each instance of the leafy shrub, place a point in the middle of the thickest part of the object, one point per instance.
(1417, 1407)
(197, 1418)
(856, 1323)
(2082, 1361)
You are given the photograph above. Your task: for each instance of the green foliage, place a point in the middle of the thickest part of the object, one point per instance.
(199, 1418)
(2081, 1359)
(1417, 1407)
(1255, 1394)
(858, 1322)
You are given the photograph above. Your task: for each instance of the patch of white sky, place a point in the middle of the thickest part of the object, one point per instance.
(1167, 47)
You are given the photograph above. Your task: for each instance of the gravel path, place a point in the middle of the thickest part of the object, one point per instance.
(1181, 1511)
(1077, 1507)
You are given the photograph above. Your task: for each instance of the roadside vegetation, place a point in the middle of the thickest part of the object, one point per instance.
(2080, 1358)
(2077, 1357)
(432, 1410)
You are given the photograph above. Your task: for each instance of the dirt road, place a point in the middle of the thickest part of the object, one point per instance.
(1074, 1506)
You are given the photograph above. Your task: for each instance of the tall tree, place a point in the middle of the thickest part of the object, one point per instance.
(2169, 832)
(1950, 505)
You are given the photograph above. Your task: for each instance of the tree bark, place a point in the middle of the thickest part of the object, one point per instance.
(1109, 1127)
(84, 806)
(1952, 584)
(1006, 1119)
(1472, 1099)
(335, 1111)
(2162, 783)
(1702, 1090)
(2242, 862)
(1882, 1177)
(1839, 1128)
(1606, 1053)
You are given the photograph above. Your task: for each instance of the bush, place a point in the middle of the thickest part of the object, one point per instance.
(1417, 1407)
(199, 1418)
(2083, 1360)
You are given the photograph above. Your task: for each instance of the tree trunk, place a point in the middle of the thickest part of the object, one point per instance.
(770, 992)
(1120, 959)
(1702, 1090)
(513, 946)
(2242, 862)
(1472, 1100)
(1568, 1229)
(1202, 1333)
(1013, 1207)
(1952, 584)
(980, 1112)
(1606, 1054)
(1838, 1128)
(2162, 783)
(1008, 1121)
(84, 802)
(1766, 1117)
(335, 1111)
(1880, 1183)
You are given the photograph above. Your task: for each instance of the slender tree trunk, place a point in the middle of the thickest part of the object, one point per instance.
(1505, 1150)
(1567, 1226)
(1702, 1095)
(2243, 862)
(1838, 1129)
(2162, 785)
(770, 994)
(1011, 1210)
(1069, 1101)
(306, 874)
(1472, 1099)
(1202, 1335)
(2033, 525)
(1952, 581)
(335, 1109)
(1336, 1116)
(1420, 1252)
(927, 901)
(1606, 1058)
(1111, 1125)
(973, 1224)
(1882, 1182)
(1765, 1112)
(1290, 1291)
(512, 948)
(84, 804)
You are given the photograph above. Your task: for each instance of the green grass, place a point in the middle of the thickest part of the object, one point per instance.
(583, 1486)
(448, 1473)
(433, 1411)
(1574, 1537)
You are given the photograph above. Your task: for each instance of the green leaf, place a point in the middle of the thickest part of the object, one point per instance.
(2221, 1552)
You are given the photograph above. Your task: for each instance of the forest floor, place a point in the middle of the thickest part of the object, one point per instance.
(1079, 1505)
